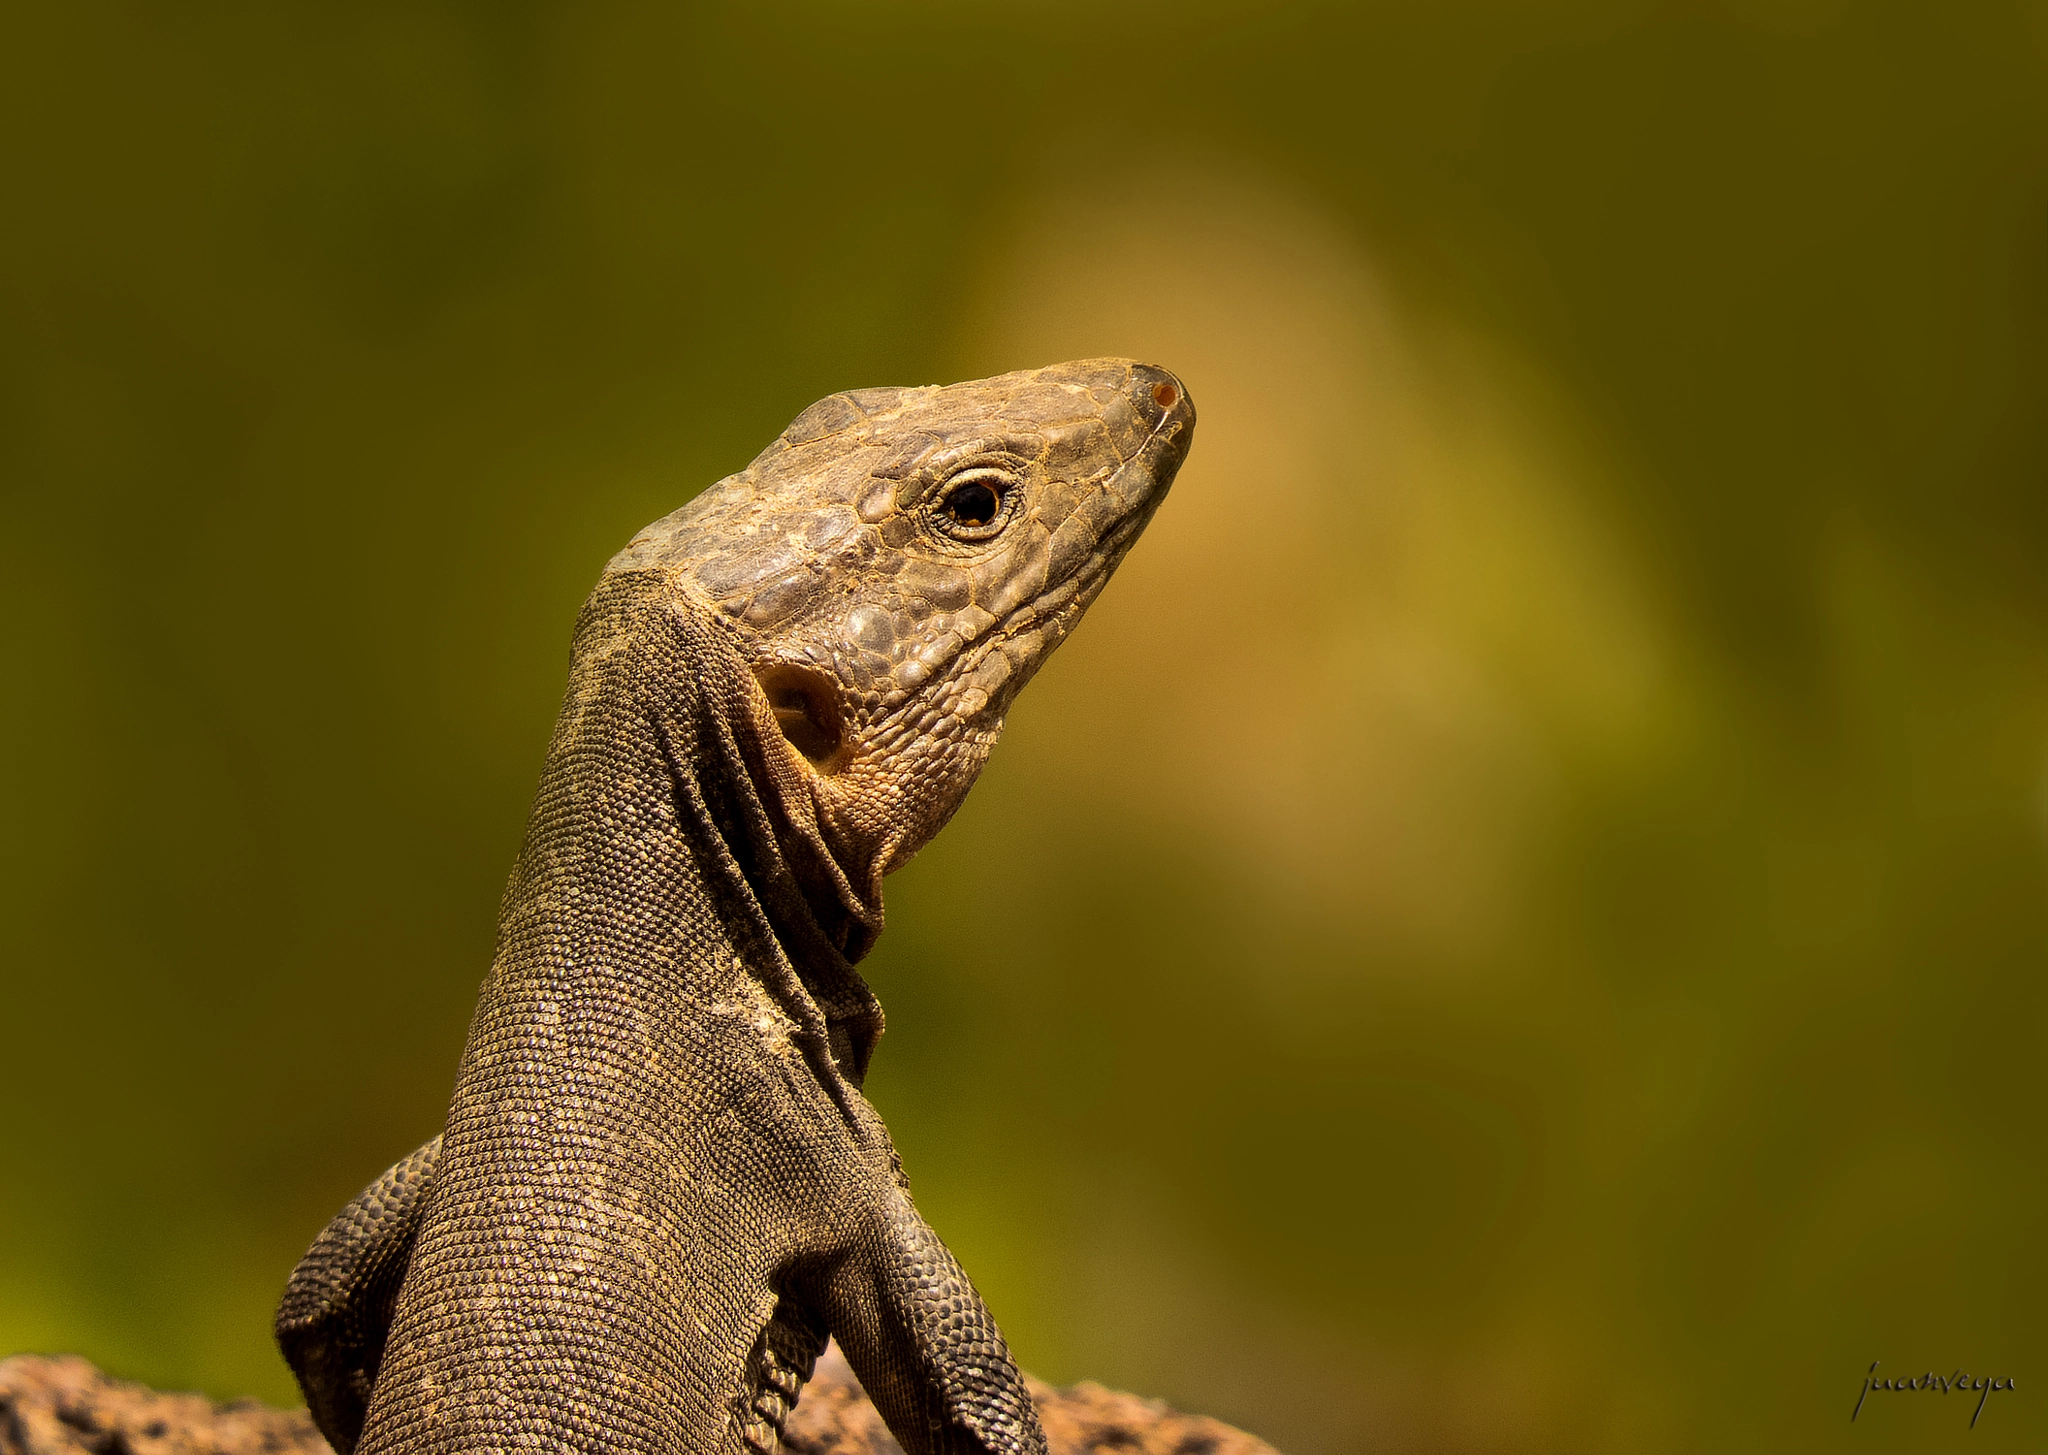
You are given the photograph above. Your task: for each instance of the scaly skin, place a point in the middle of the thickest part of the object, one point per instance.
(659, 1187)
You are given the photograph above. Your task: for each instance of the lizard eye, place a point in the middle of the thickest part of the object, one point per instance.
(972, 506)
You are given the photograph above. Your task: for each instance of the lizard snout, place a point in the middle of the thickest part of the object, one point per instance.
(1160, 396)
(1163, 402)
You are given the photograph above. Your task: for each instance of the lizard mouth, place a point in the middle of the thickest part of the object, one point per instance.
(806, 706)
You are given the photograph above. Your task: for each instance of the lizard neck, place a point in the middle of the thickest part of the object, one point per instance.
(672, 837)
(670, 996)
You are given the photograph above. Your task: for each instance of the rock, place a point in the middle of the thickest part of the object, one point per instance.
(48, 1406)
(835, 1418)
(66, 1406)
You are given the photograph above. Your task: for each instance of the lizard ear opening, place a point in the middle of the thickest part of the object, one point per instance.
(806, 705)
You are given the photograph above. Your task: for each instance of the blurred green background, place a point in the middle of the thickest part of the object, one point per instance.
(1518, 923)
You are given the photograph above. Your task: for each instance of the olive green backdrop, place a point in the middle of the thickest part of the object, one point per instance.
(1518, 923)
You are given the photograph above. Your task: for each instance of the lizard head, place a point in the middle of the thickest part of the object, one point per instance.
(897, 565)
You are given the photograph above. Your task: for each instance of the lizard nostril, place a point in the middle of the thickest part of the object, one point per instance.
(1165, 395)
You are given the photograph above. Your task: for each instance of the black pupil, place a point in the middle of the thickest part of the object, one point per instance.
(972, 503)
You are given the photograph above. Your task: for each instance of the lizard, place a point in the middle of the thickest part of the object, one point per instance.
(660, 1188)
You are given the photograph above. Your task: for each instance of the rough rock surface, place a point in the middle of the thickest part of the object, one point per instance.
(66, 1406)
(53, 1405)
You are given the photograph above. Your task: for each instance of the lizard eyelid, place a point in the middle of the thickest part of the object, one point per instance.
(975, 504)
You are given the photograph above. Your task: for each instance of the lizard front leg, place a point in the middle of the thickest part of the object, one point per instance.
(337, 1307)
(923, 1343)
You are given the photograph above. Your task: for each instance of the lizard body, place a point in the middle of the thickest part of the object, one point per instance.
(660, 1188)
